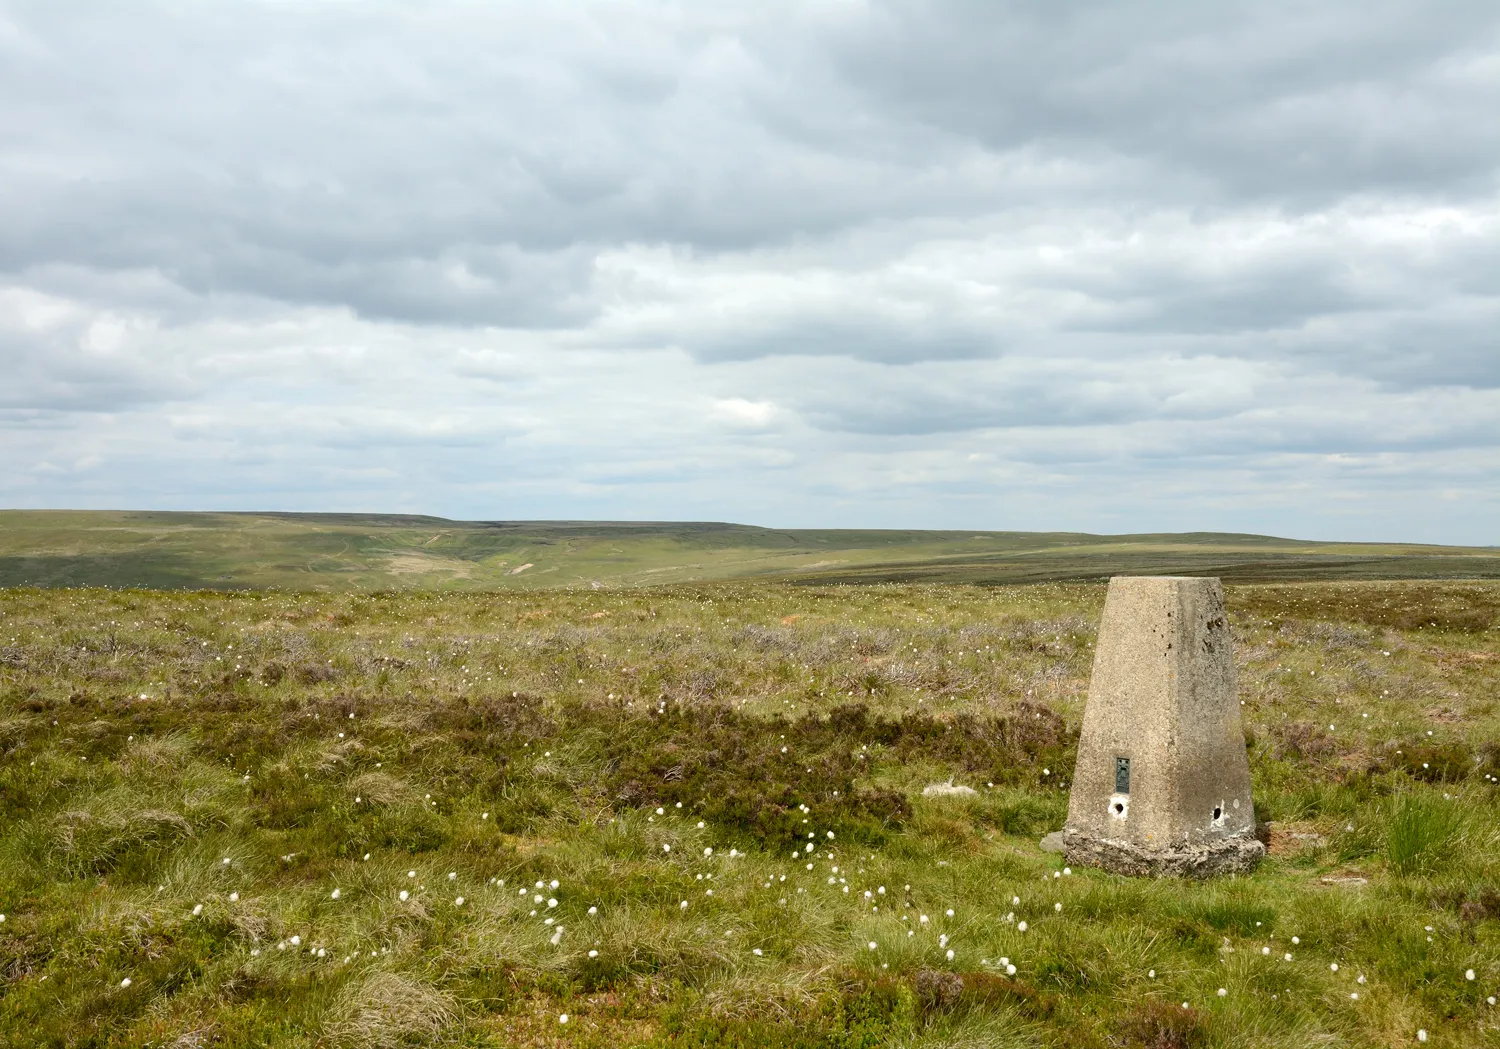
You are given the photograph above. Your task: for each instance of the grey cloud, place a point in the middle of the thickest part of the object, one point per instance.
(465, 165)
(930, 399)
(1162, 294)
(1267, 101)
(67, 360)
(864, 338)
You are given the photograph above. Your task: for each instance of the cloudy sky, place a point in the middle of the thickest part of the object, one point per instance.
(1097, 266)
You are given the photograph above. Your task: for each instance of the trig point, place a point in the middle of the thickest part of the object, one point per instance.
(1162, 784)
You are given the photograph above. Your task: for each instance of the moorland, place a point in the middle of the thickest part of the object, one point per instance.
(341, 552)
(695, 815)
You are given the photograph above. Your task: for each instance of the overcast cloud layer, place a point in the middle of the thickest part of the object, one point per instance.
(1106, 267)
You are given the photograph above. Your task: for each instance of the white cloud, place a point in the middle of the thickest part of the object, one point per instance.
(740, 412)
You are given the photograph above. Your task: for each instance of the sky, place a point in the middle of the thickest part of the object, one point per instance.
(1106, 267)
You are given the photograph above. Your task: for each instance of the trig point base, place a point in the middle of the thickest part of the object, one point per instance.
(1162, 784)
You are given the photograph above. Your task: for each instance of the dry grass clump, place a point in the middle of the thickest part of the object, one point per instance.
(387, 1010)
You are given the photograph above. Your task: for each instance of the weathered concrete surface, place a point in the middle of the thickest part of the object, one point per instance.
(1162, 783)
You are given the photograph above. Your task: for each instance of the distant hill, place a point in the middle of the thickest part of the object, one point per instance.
(54, 548)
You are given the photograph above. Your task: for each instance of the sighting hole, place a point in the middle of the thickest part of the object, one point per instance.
(1120, 807)
(1218, 812)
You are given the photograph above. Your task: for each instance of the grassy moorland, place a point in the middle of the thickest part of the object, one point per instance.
(250, 819)
(346, 552)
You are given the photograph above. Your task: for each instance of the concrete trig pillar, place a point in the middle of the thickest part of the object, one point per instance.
(1162, 784)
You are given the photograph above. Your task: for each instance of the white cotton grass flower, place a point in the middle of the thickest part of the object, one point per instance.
(1223, 992)
(683, 905)
(1057, 907)
(453, 875)
(873, 945)
(334, 894)
(563, 1018)
(459, 902)
(296, 941)
(950, 955)
(403, 895)
(593, 954)
(551, 903)
(197, 909)
(1010, 970)
(1468, 974)
(593, 910)
(1421, 1035)
(234, 897)
(1020, 927)
(125, 982)
(411, 874)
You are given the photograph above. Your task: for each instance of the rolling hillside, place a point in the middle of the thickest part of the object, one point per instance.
(368, 552)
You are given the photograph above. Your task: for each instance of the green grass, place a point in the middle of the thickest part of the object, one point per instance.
(470, 744)
(353, 552)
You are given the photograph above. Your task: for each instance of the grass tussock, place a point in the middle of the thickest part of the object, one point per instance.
(1422, 834)
(386, 1010)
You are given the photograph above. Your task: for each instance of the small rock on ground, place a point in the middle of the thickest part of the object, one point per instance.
(1053, 842)
(948, 790)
